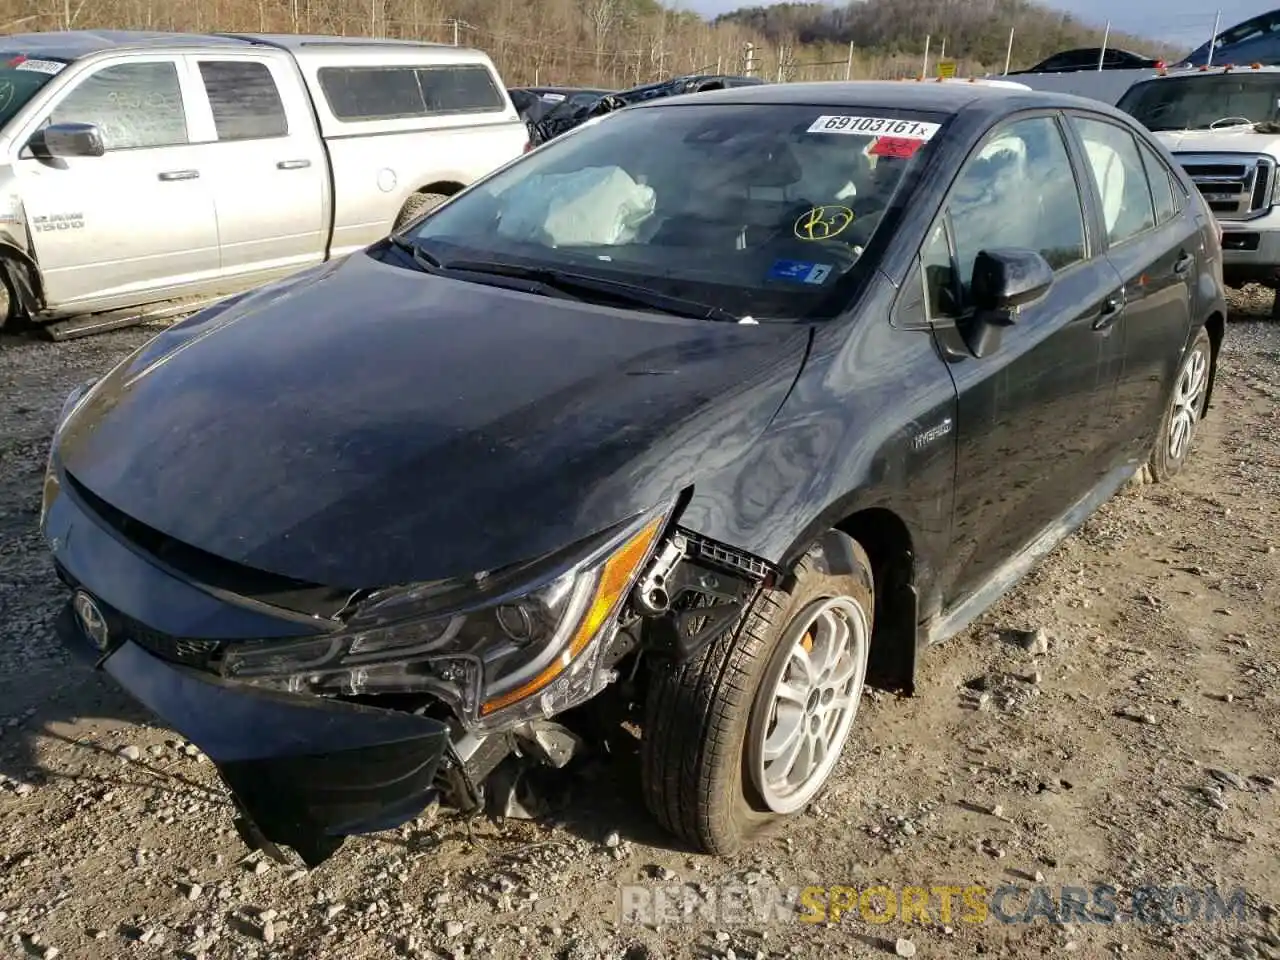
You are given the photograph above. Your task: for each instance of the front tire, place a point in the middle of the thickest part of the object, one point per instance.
(748, 731)
(1185, 409)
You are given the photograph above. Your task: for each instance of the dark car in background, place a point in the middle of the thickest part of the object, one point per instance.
(1255, 40)
(726, 405)
(534, 103)
(1088, 58)
(570, 115)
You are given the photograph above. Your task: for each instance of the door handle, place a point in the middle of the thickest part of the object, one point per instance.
(293, 164)
(1110, 312)
(1183, 263)
(168, 175)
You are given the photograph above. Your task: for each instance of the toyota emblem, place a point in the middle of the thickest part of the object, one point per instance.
(92, 621)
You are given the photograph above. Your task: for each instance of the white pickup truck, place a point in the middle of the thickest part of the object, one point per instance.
(139, 170)
(1223, 126)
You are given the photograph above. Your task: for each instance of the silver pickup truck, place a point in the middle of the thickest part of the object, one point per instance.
(143, 169)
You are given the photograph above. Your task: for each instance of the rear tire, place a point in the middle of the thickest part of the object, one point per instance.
(716, 726)
(1184, 411)
(417, 205)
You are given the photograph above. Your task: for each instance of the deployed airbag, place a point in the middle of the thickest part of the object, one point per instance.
(590, 207)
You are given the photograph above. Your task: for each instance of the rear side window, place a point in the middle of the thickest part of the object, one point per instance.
(246, 103)
(1120, 176)
(1162, 189)
(385, 93)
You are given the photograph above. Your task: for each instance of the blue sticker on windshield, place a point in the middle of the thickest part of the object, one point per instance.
(800, 271)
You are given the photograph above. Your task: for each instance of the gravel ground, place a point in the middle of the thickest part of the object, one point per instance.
(1134, 740)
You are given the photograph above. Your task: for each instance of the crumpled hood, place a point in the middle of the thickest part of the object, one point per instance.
(366, 425)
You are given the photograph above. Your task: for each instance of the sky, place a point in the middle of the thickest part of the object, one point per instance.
(1186, 22)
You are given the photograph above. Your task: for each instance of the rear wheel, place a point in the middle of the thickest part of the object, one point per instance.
(417, 205)
(748, 731)
(1183, 414)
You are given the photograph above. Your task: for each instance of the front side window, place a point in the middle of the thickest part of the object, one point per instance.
(133, 104)
(1202, 101)
(1121, 178)
(245, 100)
(1017, 191)
(756, 209)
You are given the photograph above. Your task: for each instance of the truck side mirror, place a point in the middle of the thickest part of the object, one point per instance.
(67, 140)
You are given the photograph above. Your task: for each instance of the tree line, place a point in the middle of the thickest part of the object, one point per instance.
(620, 43)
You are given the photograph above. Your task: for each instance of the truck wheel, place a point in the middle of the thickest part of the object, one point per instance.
(8, 299)
(1183, 413)
(749, 730)
(417, 205)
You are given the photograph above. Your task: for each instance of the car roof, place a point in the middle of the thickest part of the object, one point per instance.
(72, 44)
(951, 97)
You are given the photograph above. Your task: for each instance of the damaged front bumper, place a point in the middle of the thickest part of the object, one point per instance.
(305, 772)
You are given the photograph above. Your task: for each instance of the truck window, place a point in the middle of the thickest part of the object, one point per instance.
(384, 93)
(134, 105)
(245, 100)
(1199, 101)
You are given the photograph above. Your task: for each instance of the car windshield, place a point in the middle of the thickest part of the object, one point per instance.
(20, 78)
(1202, 101)
(751, 210)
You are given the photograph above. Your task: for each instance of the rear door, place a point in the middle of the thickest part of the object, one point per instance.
(267, 168)
(1032, 414)
(137, 222)
(1154, 250)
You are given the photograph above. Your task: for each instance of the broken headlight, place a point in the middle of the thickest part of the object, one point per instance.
(497, 648)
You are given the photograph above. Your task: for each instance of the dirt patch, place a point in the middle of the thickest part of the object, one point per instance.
(1141, 748)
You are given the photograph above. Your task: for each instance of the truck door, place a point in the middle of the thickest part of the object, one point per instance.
(267, 171)
(136, 221)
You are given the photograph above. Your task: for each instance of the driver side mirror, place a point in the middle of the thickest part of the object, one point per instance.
(1003, 282)
(67, 140)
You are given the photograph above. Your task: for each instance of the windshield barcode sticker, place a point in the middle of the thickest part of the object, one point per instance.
(875, 127)
(41, 66)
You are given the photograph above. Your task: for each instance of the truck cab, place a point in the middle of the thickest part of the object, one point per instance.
(143, 168)
(1223, 125)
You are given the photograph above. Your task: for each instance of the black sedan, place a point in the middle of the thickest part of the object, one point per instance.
(1093, 58)
(726, 404)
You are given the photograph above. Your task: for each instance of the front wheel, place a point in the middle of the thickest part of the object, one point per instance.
(1185, 409)
(749, 730)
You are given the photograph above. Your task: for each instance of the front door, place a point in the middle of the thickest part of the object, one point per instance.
(138, 221)
(1154, 249)
(1032, 414)
(269, 173)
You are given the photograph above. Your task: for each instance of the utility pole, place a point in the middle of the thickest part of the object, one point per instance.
(848, 66)
(1102, 54)
(924, 71)
(1008, 53)
(1213, 40)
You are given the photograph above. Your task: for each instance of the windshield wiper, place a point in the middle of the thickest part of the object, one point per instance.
(577, 283)
(428, 262)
